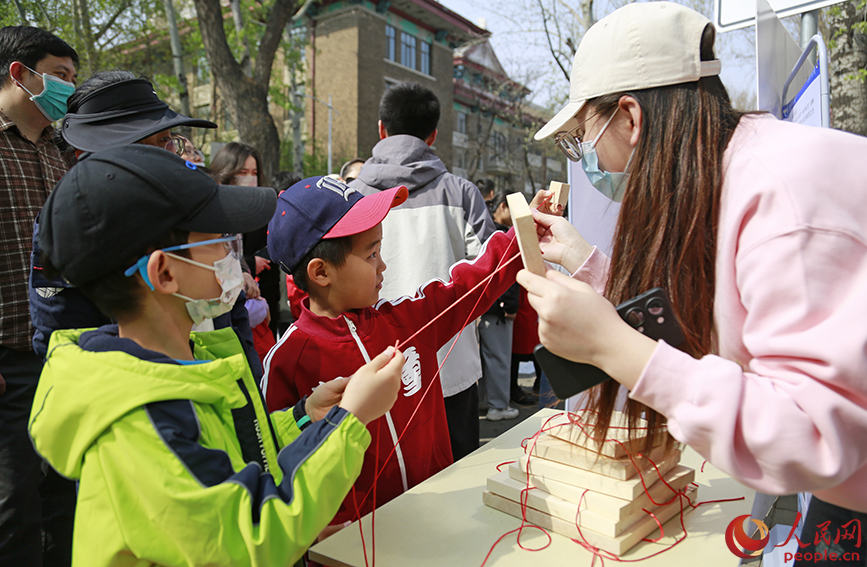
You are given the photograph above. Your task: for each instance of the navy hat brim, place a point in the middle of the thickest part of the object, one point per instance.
(95, 132)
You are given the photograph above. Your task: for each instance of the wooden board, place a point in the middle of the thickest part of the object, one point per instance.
(562, 427)
(503, 485)
(561, 193)
(625, 489)
(525, 229)
(604, 504)
(553, 448)
(617, 545)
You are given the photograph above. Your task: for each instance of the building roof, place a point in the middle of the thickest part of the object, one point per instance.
(448, 26)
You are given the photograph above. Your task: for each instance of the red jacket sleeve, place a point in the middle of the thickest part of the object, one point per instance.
(437, 296)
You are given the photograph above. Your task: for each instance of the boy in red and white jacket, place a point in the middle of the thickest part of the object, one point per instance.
(328, 237)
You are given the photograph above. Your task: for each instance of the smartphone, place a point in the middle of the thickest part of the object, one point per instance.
(649, 313)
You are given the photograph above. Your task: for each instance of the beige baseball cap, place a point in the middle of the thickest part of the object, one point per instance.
(638, 46)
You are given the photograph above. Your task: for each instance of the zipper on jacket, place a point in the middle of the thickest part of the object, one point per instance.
(397, 452)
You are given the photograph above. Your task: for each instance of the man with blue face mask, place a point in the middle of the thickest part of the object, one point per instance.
(36, 71)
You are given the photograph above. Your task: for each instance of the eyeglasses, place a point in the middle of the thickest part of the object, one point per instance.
(570, 142)
(176, 144)
(232, 243)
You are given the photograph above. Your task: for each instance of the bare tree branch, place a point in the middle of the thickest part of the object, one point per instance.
(108, 24)
(214, 37)
(280, 15)
(48, 20)
(22, 14)
(550, 44)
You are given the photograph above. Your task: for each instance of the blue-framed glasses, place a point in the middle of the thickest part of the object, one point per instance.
(231, 242)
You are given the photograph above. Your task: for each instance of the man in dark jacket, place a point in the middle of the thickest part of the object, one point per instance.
(445, 220)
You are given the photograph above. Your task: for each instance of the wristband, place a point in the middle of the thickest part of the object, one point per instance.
(304, 422)
(299, 412)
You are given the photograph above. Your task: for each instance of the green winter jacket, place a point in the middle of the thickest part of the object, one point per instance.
(179, 464)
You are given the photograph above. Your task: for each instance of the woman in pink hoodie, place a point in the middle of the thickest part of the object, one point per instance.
(757, 229)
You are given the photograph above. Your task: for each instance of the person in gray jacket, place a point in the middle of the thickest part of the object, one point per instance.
(445, 220)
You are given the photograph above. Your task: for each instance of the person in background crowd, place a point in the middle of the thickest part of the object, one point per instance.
(756, 228)
(237, 163)
(486, 188)
(37, 75)
(281, 181)
(456, 223)
(350, 169)
(495, 334)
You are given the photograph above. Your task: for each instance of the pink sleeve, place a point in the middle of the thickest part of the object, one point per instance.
(594, 270)
(796, 417)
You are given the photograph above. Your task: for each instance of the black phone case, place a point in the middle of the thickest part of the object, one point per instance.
(649, 313)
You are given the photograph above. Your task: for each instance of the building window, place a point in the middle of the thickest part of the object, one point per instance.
(389, 43)
(499, 145)
(424, 64)
(407, 51)
(461, 125)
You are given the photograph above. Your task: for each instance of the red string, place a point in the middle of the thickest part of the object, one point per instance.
(487, 280)
(501, 464)
(661, 531)
(599, 553)
(360, 528)
(373, 512)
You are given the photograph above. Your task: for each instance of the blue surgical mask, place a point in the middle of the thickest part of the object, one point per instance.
(611, 184)
(52, 100)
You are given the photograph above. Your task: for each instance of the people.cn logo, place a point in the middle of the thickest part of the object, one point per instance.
(737, 540)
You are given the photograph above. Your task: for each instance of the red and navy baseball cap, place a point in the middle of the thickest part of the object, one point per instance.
(323, 207)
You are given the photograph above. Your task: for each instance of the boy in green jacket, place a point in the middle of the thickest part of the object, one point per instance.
(178, 461)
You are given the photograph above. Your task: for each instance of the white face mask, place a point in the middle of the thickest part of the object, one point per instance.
(228, 273)
(247, 180)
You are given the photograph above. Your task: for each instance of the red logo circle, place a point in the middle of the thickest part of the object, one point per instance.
(737, 539)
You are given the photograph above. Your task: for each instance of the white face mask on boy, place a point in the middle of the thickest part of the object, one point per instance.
(227, 271)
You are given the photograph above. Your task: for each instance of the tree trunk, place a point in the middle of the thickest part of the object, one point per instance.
(246, 97)
(246, 60)
(178, 62)
(848, 67)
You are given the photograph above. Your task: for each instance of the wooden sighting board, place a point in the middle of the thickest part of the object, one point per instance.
(525, 229)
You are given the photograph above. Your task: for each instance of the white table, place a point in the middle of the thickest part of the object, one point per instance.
(443, 522)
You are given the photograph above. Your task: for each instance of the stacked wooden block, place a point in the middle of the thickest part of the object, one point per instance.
(572, 486)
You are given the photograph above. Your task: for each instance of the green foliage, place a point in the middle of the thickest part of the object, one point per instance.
(315, 160)
(97, 29)
(859, 75)
(286, 154)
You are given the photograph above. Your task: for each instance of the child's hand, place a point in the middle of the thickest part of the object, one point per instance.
(373, 389)
(251, 288)
(325, 397)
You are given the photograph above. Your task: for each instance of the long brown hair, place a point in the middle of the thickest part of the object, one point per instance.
(667, 228)
(230, 160)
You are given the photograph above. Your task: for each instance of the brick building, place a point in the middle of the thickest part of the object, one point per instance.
(357, 48)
